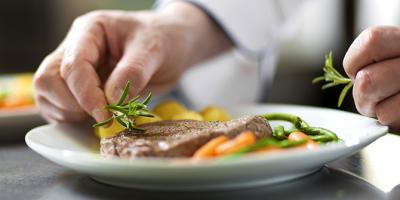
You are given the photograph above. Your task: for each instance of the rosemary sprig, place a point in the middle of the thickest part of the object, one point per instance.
(333, 78)
(126, 113)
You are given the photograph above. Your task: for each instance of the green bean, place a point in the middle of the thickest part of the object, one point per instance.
(279, 132)
(295, 120)
(316, 133)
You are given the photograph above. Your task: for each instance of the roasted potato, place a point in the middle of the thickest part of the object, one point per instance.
(213, 113)
(145, 120)
(188, 115)
(110, 131)
(168, 109)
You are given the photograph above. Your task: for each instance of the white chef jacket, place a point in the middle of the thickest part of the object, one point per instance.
(243, 75)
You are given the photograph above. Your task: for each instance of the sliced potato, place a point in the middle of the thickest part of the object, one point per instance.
(145, 120)
(213, 113)
(168, 109)
(188, 115)
(110, 131)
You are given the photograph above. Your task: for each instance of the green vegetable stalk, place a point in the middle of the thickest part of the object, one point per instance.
(316, 133)
(333, 78)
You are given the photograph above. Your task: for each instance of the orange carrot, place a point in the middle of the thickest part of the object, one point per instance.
(242, 140)
(297, 136)
(268, 149)
(208, 149)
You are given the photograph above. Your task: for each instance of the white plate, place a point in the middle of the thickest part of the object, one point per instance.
(14, 123)
(76, 148)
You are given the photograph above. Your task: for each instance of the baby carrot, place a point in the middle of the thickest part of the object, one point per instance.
(208, 149)
(242, 140)
(268, 149)
(297, 136)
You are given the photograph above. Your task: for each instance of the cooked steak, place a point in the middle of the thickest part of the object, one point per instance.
(180, 138)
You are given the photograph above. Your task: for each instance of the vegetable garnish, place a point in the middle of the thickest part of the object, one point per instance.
(125, 113)
(316, 133)
(301, 134)
(333, 78)
(262, 143)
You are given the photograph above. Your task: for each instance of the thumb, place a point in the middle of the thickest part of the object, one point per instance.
(140, 60)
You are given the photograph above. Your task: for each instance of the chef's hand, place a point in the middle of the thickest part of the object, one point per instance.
(373, 63)
(105, 49)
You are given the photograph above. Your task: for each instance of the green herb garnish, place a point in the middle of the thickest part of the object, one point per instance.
(333, 78)
(126, 113)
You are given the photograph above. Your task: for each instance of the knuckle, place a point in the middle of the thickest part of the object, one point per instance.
(372, 36)
(157, 44)
(156, 41)
(96, 16)
(42, 78)
(68, 65)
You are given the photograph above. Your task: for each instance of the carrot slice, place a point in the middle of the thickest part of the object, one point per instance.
(268, 149)
(297, 136)
(208, 149)
(244, 139)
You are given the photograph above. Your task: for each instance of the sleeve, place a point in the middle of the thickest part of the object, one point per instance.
(251, 25)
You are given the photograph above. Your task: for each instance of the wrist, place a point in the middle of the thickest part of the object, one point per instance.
(202, 38)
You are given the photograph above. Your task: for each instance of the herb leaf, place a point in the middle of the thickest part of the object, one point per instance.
(333, 78)
(126, 113)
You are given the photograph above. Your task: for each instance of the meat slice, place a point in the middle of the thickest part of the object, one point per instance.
(180, 138)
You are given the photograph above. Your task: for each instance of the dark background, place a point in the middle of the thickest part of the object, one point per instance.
(31, 29)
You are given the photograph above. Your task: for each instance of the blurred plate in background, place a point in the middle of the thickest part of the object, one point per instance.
(14, 123)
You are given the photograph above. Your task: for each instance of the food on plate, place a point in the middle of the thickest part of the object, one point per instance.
(16, 91)
(186, 133)
(134, 113)
(179, 138)
(213, 113)
(109, 131)
(209, 149)
(169, 109)
(244, 139)
(188, 115)
(144, 120)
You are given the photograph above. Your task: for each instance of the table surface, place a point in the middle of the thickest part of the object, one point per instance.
(373, 173)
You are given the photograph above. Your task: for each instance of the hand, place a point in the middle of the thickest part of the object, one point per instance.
(373, 63)
(105, 49)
